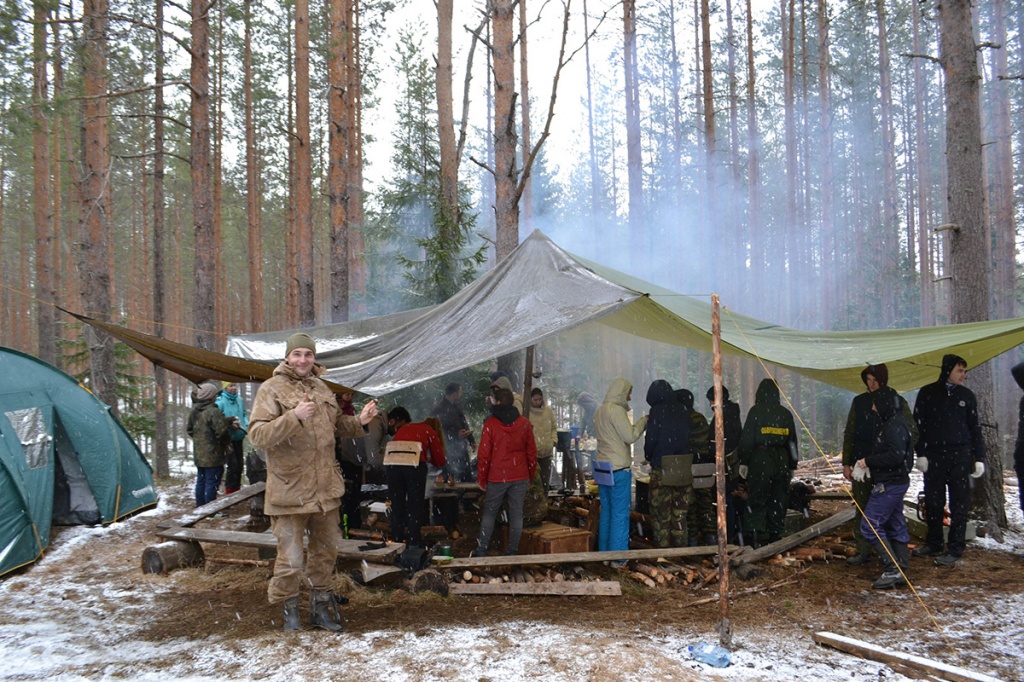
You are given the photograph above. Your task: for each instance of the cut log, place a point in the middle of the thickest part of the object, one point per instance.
(812, 553)
(363, 534)
(349, 548)
(167, 556)
(569, 588)
(889, 657)
(237, 562)
(641, 578)
(428, 580)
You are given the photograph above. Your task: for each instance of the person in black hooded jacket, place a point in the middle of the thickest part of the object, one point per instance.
(889, 460)
(766, 444)
(1018, 450)
(949, 453)
(667, 435)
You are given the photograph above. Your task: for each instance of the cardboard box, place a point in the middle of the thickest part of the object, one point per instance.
(552, 538)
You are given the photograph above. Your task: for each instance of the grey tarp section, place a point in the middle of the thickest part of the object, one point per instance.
(540, 290)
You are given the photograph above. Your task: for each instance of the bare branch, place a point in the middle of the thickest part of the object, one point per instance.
(481, 164)
(461, 146)
(124, 93)
(913, 55)
(1018, 77)
(143, 24)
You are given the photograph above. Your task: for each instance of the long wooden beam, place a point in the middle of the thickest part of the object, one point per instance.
(898, 658)
(209, 509)
(791, 541)
(568, 588)
(349, 548)
(583, 557)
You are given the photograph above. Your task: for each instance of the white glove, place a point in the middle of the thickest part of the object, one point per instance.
(922, 465)
(979, 470)
(860, 473)
(744, 470)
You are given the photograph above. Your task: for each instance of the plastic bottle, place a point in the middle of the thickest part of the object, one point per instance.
(709, 653)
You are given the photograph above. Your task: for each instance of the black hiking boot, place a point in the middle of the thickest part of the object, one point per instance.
(291, 614)
(324, 611)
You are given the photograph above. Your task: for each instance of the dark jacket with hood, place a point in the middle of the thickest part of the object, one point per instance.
(769, 425)
(699, 431)
(947, 417)
(892, 455)
(862, 424)
(507, 449)
(731, 418)
(668, 424)
(1018, 451)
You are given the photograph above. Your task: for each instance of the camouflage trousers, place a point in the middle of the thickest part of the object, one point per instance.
(669, 505)
(702, 519)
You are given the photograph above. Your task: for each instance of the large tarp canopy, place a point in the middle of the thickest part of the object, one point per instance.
(540, 291)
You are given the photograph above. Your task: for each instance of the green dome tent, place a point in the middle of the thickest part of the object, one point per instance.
(64, 459)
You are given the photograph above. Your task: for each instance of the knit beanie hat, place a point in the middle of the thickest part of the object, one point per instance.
(299, 340)
(880, 372)
(208, 390)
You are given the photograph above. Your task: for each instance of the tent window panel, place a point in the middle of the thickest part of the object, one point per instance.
(30, 425)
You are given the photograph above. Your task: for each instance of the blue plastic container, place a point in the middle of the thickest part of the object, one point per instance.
(711, 654)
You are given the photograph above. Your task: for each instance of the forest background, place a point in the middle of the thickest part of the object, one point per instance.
(200, 170)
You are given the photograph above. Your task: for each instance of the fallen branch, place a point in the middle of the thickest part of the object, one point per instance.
(749, 590)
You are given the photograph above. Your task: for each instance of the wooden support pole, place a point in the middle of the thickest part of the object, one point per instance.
(568, 588)
(724, 623)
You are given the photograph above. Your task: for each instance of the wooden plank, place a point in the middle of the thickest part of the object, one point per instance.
(791, 541)
(831, 495)
(584, 557)
(211, 508)
(349, 548)
(568, 588)
(890, 657)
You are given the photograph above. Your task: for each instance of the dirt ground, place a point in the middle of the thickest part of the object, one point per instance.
(228, 601)
(826, 596)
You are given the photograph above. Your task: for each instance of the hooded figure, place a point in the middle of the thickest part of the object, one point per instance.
(862, 428)
(502, 381)
(768, 437)
(211, 438)
(615, 433)
(667, 442)
(1018, 450)
(890, 462)
(950, 452)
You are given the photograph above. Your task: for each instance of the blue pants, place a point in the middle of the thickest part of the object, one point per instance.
(515, 491)
(884, 511)
(613, 534)
(207, 482)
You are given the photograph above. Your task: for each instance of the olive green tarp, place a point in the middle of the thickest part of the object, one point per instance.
(540, 291)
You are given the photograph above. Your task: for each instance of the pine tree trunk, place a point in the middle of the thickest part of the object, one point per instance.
(303, 170)
(357, 274)
(710, 136)
(95, 228)
(160, 432)
(337, 170)
(825, 146)
(758, 257)
(924, 201)
(254, 218)
(890, 236)
(969, 250)
(506, 175)
(41, 192)
(634, 160)
(449, 205)
(204, 294)
(595, 174)
(524, 103)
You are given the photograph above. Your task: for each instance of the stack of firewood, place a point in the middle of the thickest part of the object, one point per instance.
(665, 574)
(523, 575)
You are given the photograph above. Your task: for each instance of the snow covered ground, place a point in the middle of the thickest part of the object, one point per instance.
(83, 611)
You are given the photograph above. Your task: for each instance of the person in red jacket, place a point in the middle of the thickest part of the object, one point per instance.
(407, 484)
(505, 462)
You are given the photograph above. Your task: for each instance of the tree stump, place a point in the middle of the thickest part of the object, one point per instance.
(167, 556)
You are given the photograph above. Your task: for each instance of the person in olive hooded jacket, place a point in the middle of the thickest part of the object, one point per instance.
(766, 444)
(615, 434)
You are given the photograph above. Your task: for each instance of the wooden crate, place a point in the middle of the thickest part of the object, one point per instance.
(552, 538)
